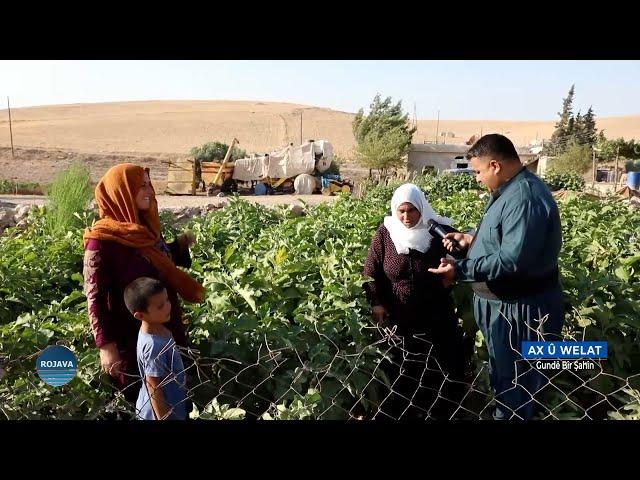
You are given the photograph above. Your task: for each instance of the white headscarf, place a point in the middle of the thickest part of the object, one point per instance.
(417, 237)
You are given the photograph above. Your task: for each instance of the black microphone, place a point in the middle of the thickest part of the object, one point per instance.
(437, 230)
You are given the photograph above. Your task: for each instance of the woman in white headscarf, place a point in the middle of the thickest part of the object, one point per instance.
(406, 295)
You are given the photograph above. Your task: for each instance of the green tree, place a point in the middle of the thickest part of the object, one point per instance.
(570, 130)
(608, 149)
(576, 159)
(382, 150)
(383, 136)
(629, 149)
(589, 128)
(564, 127)
(578, 129)
(215, 151)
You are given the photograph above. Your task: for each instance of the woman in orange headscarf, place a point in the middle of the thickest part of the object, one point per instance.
(124, 244)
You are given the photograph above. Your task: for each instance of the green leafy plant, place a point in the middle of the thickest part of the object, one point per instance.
(285, 329)
(564, 180)
(69, 196)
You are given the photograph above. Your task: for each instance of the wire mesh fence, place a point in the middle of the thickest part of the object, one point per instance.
(392, 379)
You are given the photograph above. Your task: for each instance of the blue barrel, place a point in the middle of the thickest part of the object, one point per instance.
(633, 180)
(260, 189)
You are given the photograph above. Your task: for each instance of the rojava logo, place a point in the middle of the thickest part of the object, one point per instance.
(56, 365)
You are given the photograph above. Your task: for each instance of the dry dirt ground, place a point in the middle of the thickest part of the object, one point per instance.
(37, 165)
(174, 201)
(48, 138)
(174, 127)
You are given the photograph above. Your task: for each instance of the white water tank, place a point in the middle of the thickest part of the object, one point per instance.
(324, 148)
(304, 184)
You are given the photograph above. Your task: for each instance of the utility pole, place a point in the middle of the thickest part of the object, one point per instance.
(437, 126)
(593, 183)
(10, 129)
(615, 174)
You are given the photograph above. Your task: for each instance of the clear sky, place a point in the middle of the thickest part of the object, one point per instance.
(478, 89)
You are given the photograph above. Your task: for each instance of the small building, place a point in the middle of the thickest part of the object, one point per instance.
(605, 175)
(439, 157)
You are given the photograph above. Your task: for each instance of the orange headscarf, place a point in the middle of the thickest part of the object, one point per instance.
(121, 222)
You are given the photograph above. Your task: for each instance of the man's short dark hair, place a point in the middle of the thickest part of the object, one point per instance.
(138, 293)
(495, 146)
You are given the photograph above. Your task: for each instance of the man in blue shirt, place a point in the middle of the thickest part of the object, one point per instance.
(512, 263)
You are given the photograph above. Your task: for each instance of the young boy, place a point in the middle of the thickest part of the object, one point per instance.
(163, 391)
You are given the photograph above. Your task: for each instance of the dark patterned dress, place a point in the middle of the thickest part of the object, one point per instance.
(422, 308)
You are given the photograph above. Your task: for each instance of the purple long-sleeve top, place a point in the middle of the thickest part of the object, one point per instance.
(108, 268)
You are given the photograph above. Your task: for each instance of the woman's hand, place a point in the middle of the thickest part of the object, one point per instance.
(379, 314)
(110, 359)
(186, 239)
